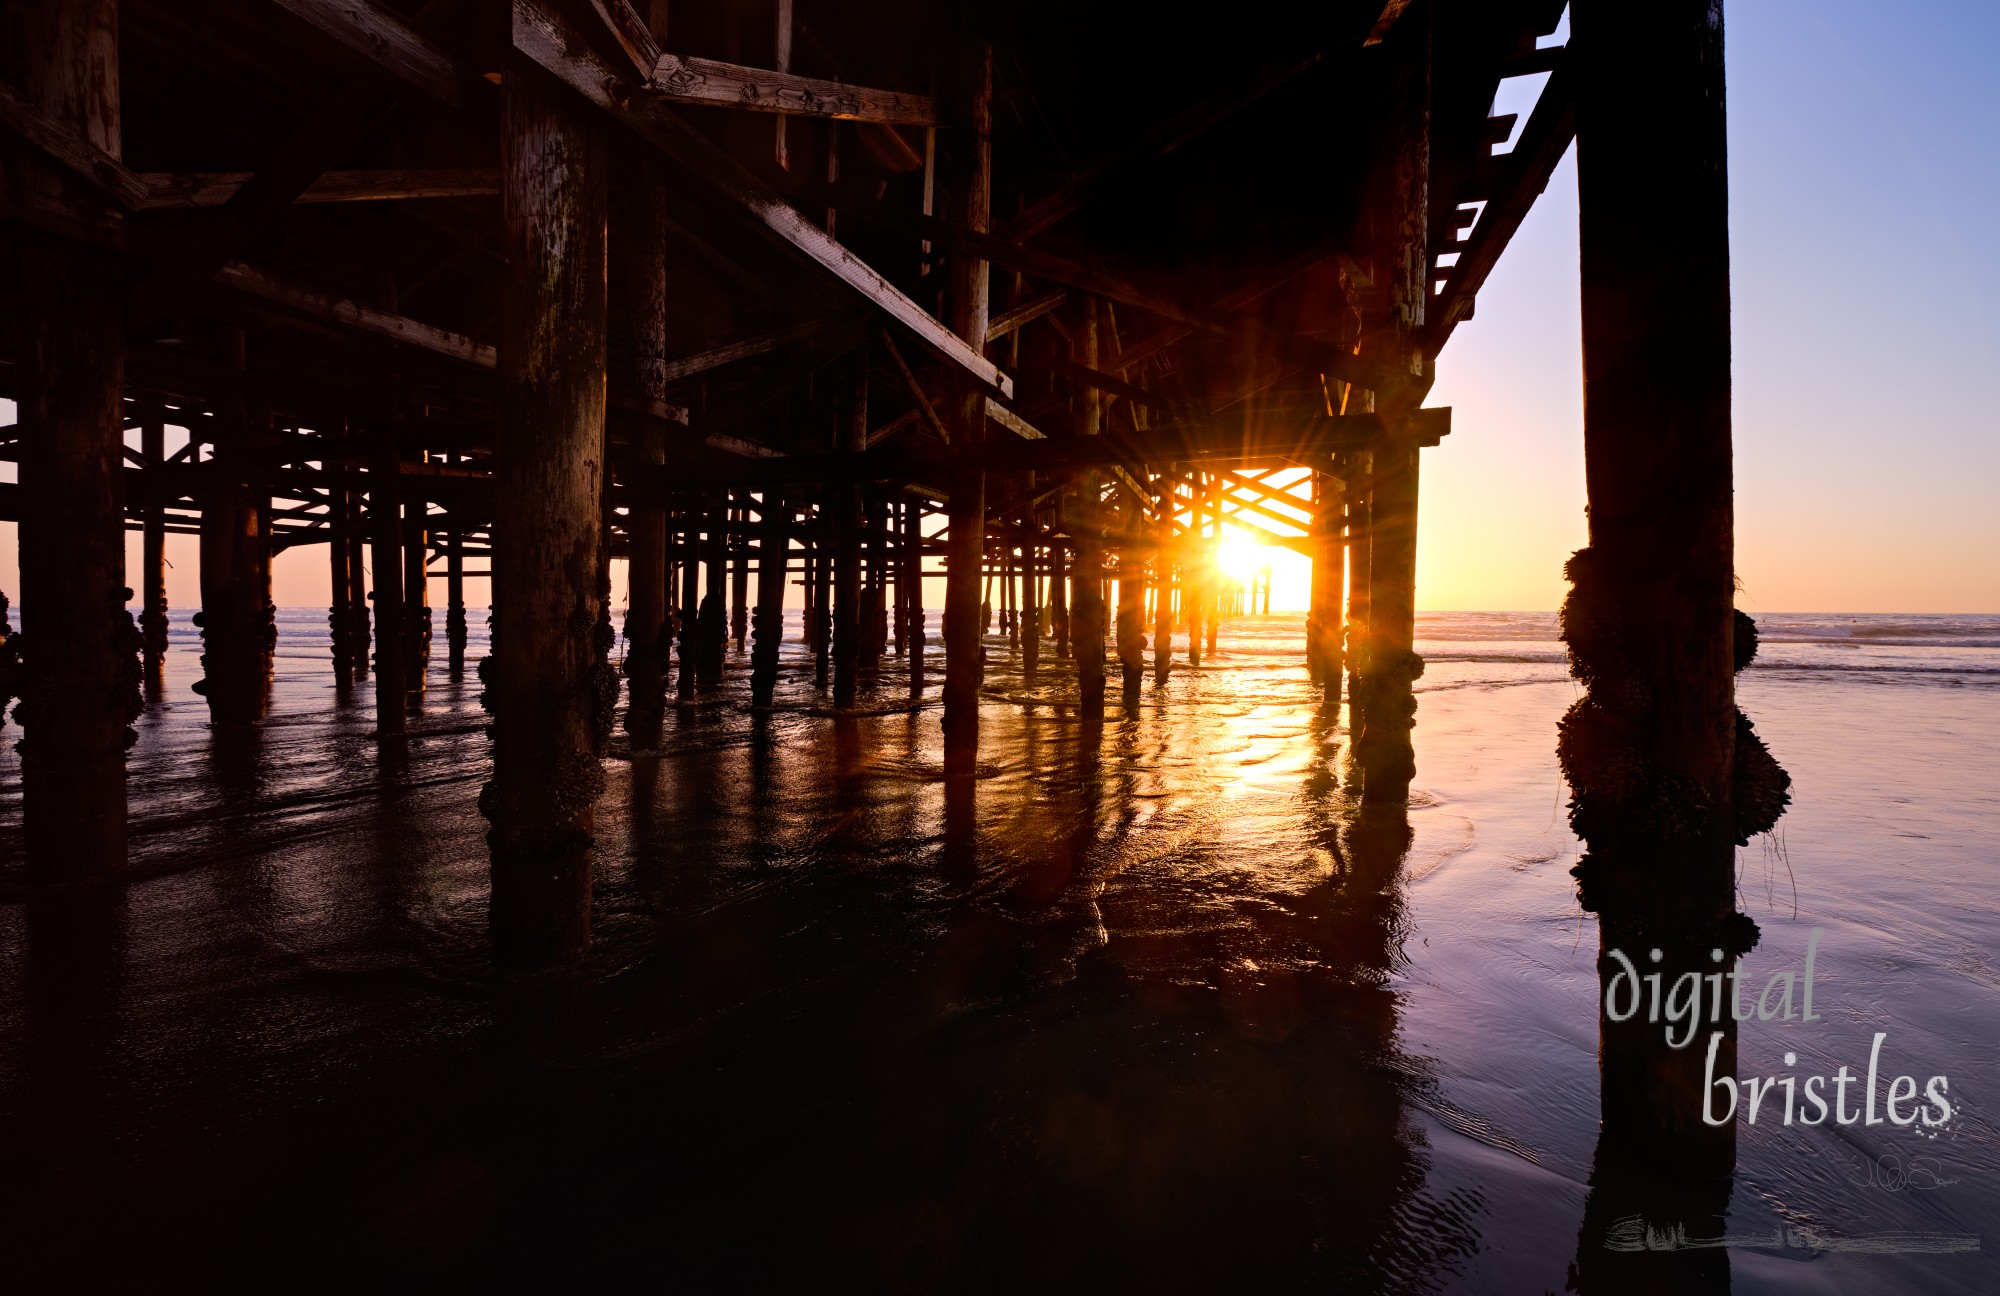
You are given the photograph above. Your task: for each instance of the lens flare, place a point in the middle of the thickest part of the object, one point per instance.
(1240, 557)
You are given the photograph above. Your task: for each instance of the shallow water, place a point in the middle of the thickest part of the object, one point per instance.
(1174, 1012)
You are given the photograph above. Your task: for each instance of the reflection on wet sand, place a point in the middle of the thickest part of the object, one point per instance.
(1118, 1010)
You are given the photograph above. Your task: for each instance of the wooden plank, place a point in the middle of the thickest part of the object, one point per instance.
(1528, 166)
(545, 41)
(1297, 544)
(663, 411)
(103, 173)
(1013, 422)
(1024, 314)
(344, 117)
(917, 392)
(384, 40)
(688, 80)
(676, 370)
(1117, 387)
(1391, 13)
(356, 315)
(169, 190)
(1040, 265)
(893, 426)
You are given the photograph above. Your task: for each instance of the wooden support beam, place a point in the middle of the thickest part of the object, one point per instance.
(102, 172)
(386, 41)
(175, 190)
(708, 82)
(916, 390)
(677, 370)
(548, 42)
(688, 80)
(1024, 314)
(356, 315)
(1551, 126)
(1013, 422)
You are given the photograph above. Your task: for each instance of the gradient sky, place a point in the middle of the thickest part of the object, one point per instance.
(1865, 181)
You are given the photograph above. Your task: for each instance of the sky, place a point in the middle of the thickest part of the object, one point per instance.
(1864, 182)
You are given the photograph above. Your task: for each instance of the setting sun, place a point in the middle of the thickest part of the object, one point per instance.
(1240, 557)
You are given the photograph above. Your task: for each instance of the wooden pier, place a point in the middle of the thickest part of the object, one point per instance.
(1002, 309)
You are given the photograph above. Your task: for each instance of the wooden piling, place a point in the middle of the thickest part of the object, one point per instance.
(392, 657)
(1657, 437)
(1086, 603)
(1163, 593)
(913, 574)
(851, 435)
(1324, 657)
(966, 172)
(236, 630)
(644, 232)
(416, 593)
(153, 552)
(82, 673)
(549, 461)
(1667, 777)
(454, 594)
(739, 576)
(1389, 664)
(773, 562)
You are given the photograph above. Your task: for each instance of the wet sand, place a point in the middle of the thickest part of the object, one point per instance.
(1171, 1011)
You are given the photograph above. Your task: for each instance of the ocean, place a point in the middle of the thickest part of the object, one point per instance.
(1172, 1014)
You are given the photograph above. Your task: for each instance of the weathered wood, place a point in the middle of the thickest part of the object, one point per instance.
(356, 315)
(454, 586)
(169, 190)
(387, 42)
(687, 367)
(1163, 579)
(773, 557)
(385, 530)
(1657, 435)
(966, 177)
(548, 42)
(850, 432)
(683, 79)
(1325, 659)
(1086, 600)
(1024, 314)
(153, 553)
(236, 629)
(543, 678)
(739, 577)
(416, 595)
(71, 145)
(912, 579)
(82, 675)
(1388, 663)
(643, 232)
(1544, 140)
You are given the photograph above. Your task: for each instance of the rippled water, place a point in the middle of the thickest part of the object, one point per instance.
(1174, 1013)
